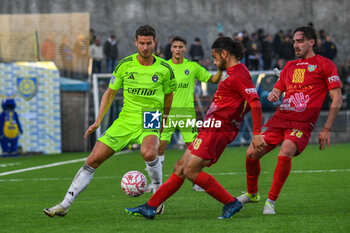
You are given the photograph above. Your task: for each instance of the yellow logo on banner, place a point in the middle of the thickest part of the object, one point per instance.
(298, 76)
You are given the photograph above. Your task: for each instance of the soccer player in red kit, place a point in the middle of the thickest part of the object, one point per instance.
(235, 96)
(305, 82)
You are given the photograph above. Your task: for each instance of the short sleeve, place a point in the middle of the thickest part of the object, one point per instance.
(244, 85)
(201, 73)
(280, 84)
(331, 75)
(116, 81)
(170, 84)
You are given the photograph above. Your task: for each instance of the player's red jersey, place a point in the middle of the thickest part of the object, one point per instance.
(231, 99)
(306, 83)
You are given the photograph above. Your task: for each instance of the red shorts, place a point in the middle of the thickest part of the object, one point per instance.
(278, 130)
(210, 143)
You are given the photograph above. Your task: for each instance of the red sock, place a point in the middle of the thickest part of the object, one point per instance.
(166, 190)
(252, 167)
(213, 188)
(282, 170)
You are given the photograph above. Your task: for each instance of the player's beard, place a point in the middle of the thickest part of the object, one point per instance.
(222, 65)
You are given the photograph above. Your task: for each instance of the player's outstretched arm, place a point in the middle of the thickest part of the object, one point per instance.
(337, 99)
(274, 95)
(216, 77)
(106, 101)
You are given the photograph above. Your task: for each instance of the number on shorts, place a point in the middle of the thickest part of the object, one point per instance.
(296, 132)
(197, 143)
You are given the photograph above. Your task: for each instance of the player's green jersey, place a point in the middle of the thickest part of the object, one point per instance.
(186, 74)
(144, 86)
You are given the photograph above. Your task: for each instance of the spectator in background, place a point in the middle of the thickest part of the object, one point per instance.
(277, 42)
(196, 50)
(110, 50)
(287, 49)
(92, 36)
(158, 51)
(239, 37)
(322, 35)
(345, 77)
(261, 35)
(48, 49)
(66, 54)
(330, 50)
(167, 48)
(319, 48)
(245, 42)
(280, 63)
(96, 53)
(254, 49)
(290, 34)
(267, 52)
(81, 54)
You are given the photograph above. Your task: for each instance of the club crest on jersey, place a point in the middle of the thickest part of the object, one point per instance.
(187, 71)
(225, 77)
(311, 68)
(155, 78)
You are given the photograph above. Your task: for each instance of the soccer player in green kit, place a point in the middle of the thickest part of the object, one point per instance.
(182, 108)
(148, 83)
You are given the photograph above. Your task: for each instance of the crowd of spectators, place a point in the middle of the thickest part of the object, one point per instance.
(262, 51)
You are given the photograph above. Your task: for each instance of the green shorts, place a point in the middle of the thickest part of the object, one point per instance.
(188, 135)
(122, 133)
(178, 119)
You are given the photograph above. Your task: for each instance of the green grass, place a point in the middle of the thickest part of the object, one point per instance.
(309, 202)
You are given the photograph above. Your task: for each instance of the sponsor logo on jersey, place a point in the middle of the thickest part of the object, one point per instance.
(155, 78)
(141, 91)
(311, 68)
(250, 90)
(27, 87)
(333, 79)
(131, 77)
(151, 120)
(182, 85)
(187, 72)
(298, 100)
(298, 76)
(302, 63)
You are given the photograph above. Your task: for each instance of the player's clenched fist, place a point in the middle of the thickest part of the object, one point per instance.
(274, 95)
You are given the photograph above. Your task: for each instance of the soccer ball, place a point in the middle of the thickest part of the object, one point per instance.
(134, 183)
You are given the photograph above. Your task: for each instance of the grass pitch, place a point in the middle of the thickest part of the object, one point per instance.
(314, 198)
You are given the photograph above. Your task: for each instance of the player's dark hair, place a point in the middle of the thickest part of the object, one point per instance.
(233, 47)
(145, 30)
(179, 38)
(309, 33)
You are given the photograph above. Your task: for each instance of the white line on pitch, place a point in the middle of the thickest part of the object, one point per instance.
(50, 165)
(167, 175)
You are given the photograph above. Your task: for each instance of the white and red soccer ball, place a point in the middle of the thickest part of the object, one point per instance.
(134, 183)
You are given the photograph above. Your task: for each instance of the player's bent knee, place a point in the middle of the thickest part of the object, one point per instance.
(149, 155)
(252, 153)
(93, 161)
(178, 170)
(288, 149)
